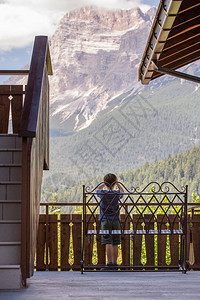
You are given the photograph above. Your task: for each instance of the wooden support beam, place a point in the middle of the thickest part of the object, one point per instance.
(184, 61)
(175, 73)
(14, 72)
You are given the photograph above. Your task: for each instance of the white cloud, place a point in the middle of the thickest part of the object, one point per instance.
(65, 5)
(19, 24)
(21, 20)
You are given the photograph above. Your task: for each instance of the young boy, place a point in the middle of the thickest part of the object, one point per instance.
(109, 216)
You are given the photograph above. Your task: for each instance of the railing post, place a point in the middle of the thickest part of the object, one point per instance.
(84, 222)
(186, 264)
(47, 236)
(24, 211)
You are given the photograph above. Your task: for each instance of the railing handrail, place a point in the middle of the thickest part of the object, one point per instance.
(14, 72)
(40, 59)
(193, 205)
(98, 204)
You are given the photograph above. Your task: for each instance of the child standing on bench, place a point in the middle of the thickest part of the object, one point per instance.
(110, 216)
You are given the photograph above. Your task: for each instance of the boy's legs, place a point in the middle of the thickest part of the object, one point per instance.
(111, 242)
(109, 252)
(115, 254)
(112, 253)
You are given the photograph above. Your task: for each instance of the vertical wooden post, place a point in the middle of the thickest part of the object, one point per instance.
(16, 106)
(88, 243)
(137, 242)
(24, 211)
(47, 236)
(76, 236)
(174, 242)
(65, 242)
(125, 240)
(53, 242)
(196, 240)
(40, 264)
(101, 250)
(161, 241)
(149, 240)
(4, 108)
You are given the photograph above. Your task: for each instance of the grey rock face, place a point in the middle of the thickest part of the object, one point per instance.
(95, 56)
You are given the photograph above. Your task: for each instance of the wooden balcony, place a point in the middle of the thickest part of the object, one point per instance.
(60, 239)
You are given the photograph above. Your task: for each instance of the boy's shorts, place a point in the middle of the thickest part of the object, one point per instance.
(113, 239)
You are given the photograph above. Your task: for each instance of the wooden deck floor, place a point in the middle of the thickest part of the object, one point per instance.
(109, 285)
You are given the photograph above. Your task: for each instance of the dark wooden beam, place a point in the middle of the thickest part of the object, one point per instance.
(183, 61)
(14, 72)
(175, 73)
(34, 87)
(24, 204)
(156, 75)
(12, 92)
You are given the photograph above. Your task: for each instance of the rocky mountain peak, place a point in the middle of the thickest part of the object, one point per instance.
(114, 19)
(95, 55)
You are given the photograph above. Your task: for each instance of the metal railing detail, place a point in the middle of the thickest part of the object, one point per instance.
(157, 210)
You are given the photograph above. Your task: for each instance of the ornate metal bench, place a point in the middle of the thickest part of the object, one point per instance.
(155, 211)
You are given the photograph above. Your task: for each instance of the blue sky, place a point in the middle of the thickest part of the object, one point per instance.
(21, 20)
(151, 2)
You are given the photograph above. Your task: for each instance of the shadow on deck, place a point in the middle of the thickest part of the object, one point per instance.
(109, 285)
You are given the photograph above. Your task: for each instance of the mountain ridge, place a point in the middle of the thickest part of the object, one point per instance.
(94, 90)
(117, 19)
(97, 52)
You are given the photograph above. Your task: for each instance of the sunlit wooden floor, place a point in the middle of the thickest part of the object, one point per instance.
(109, 285)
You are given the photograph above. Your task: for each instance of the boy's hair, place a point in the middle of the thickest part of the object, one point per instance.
(109, 179)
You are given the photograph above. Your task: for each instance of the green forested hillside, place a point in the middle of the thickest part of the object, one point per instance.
(143, 129)
(181, 169)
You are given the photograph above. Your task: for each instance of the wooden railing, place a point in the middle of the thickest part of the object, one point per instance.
(34, 130)
(11, 97)
(30, 120)
(60, 239)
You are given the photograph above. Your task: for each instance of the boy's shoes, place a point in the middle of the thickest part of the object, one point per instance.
(115, 266)
(110, 267)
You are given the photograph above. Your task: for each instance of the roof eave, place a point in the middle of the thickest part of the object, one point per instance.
(163, 22)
